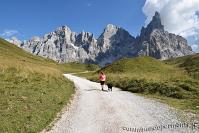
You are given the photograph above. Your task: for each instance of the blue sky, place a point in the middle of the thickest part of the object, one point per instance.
(27, 18)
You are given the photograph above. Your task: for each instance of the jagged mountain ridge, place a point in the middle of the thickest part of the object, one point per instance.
(114, 43)
(156, 42)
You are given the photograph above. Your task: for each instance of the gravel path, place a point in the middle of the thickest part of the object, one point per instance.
(96, 111)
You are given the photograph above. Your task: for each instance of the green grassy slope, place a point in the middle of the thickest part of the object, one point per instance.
(189, 63)
(151, 77)
(75, 67)
(32, 89)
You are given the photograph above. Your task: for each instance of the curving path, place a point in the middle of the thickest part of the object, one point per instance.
(96, 111)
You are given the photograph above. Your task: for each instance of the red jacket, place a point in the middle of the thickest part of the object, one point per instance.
(102, 77)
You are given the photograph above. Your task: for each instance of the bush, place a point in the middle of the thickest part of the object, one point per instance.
(91, 67)
(142, 86)
(186, 87)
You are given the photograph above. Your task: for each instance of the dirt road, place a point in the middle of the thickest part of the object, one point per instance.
(96, 111)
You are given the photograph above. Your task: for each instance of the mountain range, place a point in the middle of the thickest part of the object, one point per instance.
(64, 45)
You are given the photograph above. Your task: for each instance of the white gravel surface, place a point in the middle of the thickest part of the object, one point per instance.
(96, 111)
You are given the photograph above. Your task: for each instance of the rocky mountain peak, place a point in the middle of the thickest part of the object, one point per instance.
(157, 16)
(112, 31)
(86, 34)
(15, 41)
(84, 37)
(156, 22)
(35, 39)
(156, 42)
(114, 43)
(111, 28)
(64, 28)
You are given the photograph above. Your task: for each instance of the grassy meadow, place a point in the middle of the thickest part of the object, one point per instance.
(164, 80)
(190, 64)
(32, 89)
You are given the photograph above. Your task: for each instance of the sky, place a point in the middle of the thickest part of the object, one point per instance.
(27, 18)
(178, 16)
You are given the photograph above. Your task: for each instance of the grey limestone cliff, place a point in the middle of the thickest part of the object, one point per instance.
(156, 42)
(114, 43)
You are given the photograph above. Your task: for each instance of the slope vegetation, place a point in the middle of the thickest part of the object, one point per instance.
(32, 89)
(151, 77)
(189, 63)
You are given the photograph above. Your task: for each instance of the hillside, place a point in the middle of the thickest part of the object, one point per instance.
(144, 68)
(32, 89)
(154, 78)
(189, 63)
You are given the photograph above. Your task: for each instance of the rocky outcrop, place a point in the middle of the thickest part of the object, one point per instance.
(63, 45)
(114, 43)
(15, 41)
(156, 42)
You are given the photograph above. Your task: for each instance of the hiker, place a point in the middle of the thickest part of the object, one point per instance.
(102, 78)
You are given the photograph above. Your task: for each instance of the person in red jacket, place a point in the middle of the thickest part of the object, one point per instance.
(102, 78)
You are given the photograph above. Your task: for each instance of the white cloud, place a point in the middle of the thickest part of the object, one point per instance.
(195, 47)
(194, 41)
(178, 16)
(9, 33)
